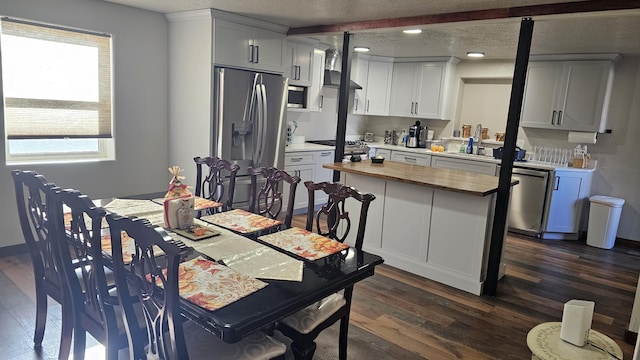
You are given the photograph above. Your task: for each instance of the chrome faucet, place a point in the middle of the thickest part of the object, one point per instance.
(477, 136)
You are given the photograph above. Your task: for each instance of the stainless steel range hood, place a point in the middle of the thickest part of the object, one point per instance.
(332, 67)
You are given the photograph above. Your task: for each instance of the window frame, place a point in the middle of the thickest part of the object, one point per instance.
(106, 144)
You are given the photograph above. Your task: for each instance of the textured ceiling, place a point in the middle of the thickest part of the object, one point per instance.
(591, 33)
(299, 13)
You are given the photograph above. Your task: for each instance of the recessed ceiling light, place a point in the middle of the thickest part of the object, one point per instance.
(412, 31)
(361, 49)
(475, 54)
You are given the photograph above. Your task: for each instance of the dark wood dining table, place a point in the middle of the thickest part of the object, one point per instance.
(260, 310)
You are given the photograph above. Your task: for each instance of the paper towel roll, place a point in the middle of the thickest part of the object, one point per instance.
(576, 321)
(580, 137)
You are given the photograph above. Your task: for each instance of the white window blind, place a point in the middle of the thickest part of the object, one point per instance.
(56, 81)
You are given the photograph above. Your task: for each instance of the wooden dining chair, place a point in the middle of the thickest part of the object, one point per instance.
(266, 192)
(32, 192)
(165, 328)
(332, 221)
(78, 226)
(216, 180)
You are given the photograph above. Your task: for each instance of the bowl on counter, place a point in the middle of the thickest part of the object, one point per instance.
(519, 155)
(377, 159)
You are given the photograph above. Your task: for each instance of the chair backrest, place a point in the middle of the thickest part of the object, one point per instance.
(161, 304)
(268, 199)
(332, 220)
(32, 199)
(217, 181)
(78, 224)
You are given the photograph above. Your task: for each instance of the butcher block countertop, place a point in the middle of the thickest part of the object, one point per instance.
(445, 179)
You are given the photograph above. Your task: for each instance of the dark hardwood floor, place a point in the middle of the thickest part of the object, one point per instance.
(397, 315)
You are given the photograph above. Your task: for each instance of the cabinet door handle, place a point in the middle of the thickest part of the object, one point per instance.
(412, 107)
(250, 53)
(296, 159)
(410, 160)
(560, 117)
(321, 101)
(415, 109)
(557, 186)
(553, 117)
(356, 105)
(328, 153)
(367, 109)
(256, 58)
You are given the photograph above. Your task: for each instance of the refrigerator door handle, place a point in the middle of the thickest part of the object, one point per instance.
(262, 118)
(257, 124)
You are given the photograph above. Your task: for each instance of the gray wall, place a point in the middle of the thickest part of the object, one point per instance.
(140, 61)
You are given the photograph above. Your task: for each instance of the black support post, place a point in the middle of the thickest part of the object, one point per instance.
(504, 183)
(343, 102)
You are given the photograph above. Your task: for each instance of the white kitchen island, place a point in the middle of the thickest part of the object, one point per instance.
(435, 223)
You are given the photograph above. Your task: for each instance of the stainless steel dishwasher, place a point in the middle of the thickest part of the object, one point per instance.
(527, 201)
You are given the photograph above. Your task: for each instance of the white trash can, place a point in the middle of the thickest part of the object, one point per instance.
(604, 217)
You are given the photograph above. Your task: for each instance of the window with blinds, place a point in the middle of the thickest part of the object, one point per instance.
(57, 92)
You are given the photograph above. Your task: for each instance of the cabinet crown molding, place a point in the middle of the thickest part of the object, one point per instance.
(614, 57)
(223, 15)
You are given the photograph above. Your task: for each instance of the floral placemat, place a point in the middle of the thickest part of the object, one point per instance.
(211, 285)
(303, 243)
(199, 203)
(202, 204)
(241, 221)
(128, 246)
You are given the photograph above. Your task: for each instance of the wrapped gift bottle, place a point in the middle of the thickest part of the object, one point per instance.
(185, 215)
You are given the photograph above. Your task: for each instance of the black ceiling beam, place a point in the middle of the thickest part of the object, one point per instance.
(575, 7)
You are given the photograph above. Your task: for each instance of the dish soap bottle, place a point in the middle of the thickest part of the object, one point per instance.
(470, 146)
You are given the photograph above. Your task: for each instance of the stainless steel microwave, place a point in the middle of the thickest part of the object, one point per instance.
(297, 98)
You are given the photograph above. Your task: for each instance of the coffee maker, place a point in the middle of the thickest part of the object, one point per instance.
(417, 136)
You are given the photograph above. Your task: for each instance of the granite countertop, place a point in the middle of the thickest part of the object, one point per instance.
(445, 179)
(484, 158)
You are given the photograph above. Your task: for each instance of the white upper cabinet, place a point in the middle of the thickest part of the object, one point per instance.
(315, 100)
(359, 74)
(299, 63)
(374, 74)
(241, 45)
(567, 95)
(423, 89)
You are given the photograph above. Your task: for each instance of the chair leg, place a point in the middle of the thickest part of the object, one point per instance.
(41, 314)
(79, 342)
(110, 351)
(303, 350)
(67, 332)
(342, 342)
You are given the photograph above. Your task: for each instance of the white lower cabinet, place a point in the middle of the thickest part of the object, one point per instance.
(302, 165)
(479, 167)
(403, 231)
(322, 174)
(569, 195)
(411, 158)
(307, 165)
(386, 153)
(418, 229)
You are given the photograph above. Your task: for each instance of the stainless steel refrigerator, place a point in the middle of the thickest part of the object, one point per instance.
(249, 122)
